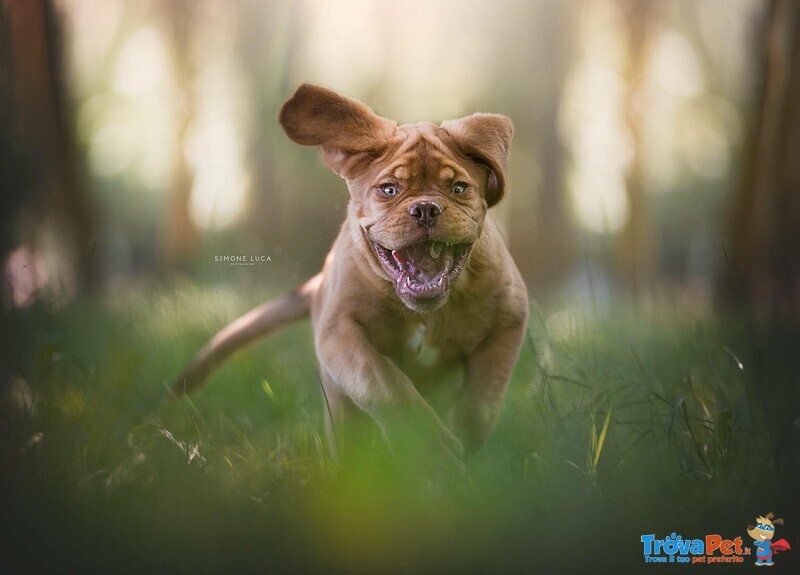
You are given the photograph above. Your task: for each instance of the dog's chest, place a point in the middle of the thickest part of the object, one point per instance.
(420, 348)
(432, 364)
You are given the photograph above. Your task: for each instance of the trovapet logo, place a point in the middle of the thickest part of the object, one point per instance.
(710, 549)
(714, 548)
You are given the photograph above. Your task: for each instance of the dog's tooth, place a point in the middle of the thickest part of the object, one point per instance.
(403, 282)
(436, 249)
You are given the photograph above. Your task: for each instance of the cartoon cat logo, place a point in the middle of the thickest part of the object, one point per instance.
(762, 535)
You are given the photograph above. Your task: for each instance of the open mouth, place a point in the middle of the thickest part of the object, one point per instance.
(424, 270)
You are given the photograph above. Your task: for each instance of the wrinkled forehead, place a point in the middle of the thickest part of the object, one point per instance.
(424, 152)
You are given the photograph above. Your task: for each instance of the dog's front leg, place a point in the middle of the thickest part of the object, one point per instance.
(376, 385)
(488, 372)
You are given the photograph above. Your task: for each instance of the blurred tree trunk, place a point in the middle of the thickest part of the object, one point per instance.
(266, 53)
(636, 251)
(764, 234)
(47, 135)
(544, 251)
(16, 179)
(181, 237)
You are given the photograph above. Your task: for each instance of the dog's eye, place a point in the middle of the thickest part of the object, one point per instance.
(459, 188)
(389, 189)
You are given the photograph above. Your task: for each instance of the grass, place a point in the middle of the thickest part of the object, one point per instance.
(614, 426)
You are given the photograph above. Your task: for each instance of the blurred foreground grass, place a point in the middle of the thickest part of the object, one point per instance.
(614, 426)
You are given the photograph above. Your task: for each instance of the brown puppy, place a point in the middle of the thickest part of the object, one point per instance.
(419, 300)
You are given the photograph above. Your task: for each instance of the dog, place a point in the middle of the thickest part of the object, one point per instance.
(419, 311)
(762, 535)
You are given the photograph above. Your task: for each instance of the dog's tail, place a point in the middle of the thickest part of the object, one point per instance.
(252, 326)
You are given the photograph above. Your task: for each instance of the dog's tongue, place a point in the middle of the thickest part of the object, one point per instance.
(425, 260)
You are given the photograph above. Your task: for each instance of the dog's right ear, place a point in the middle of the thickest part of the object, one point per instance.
(345, 129)
(487, 139)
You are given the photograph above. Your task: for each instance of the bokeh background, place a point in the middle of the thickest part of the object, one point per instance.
(652, 155)
(653, 209)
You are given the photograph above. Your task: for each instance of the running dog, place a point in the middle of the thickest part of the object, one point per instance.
(418, 301)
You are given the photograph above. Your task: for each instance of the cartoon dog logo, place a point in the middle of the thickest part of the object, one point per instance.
(762, 535)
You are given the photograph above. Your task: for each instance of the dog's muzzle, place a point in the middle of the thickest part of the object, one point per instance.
(424, 270)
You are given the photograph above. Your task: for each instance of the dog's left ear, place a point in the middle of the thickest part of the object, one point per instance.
(486, 138)
(345, 129)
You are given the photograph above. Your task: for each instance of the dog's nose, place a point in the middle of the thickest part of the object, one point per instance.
(425, 213)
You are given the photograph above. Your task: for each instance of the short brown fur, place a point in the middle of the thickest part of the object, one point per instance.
(383, 352)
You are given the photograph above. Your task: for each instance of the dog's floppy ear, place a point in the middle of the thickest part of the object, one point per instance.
(486, 138)
(341, 126)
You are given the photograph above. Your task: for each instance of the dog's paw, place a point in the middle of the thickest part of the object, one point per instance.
(423, 441)
(452, 444)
